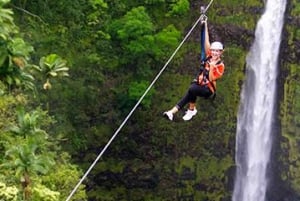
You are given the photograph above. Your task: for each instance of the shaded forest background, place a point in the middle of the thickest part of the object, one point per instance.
(70, 71)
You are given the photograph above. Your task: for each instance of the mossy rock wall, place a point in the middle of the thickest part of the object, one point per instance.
(289, 156)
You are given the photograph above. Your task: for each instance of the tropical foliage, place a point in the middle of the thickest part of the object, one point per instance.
(27, 150)
(70, 71)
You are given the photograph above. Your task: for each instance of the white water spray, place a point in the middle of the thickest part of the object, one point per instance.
(255, 118)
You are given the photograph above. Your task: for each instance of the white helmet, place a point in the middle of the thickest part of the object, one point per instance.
(216, 46)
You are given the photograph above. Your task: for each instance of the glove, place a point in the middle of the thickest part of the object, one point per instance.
(203, 19)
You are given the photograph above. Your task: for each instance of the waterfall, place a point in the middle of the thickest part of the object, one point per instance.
(255, 118)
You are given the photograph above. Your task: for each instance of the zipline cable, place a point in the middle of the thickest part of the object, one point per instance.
(207, 7)
(136, 105)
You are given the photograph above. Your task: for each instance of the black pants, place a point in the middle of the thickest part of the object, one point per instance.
(191, 95)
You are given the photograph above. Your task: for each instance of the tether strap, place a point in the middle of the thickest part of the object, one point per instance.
(203, 51)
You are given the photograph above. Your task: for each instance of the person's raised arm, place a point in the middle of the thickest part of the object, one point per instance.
(207, 43)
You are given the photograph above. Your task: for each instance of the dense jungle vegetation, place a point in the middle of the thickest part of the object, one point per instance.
(71, 70)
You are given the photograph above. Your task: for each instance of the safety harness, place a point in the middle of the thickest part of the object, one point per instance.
(203, 77)
(203, 72)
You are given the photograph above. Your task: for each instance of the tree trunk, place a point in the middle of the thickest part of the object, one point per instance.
(26, 186)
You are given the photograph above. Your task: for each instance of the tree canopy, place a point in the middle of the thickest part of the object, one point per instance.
(71, 70)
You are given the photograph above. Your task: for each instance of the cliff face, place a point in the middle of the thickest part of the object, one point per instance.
(288, 152)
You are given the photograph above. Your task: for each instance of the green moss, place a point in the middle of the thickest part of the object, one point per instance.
(295, 174)
(291, 103)
(235, 3)
(238, 19)
(101, 193)
(296, 8)
(290, 123)
(185, 162)
(225, 12)
(111, 165)
(208, 172)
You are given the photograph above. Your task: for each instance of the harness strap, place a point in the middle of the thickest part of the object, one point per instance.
(205, 75)
(211, 82)
(203, 51)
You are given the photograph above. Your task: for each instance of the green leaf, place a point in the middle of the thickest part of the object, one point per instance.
(53, 74)
(18, 47)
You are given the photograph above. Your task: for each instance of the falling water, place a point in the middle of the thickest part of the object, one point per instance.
(255, 118)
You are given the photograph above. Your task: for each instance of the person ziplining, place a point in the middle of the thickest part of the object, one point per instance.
(204, 85)
(213, 54)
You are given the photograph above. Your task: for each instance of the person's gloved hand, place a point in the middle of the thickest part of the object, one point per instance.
(203, 19)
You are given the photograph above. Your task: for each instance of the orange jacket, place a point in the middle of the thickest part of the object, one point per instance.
(215, 73)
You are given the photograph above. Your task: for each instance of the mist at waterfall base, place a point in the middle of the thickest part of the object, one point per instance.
(254, 137)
